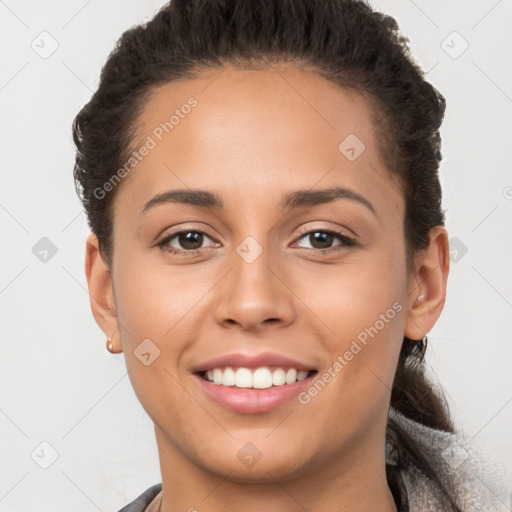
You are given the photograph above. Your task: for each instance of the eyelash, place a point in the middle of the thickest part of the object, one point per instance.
(347, 241)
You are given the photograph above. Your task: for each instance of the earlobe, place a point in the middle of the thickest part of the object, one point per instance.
(419, 299)
(427, 297)
(101, 294)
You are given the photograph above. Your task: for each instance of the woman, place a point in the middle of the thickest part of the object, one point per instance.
(268, 250)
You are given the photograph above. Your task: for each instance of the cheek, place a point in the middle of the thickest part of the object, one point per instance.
(353, 296)
(156, 309)
(152, 300)
(362, 311)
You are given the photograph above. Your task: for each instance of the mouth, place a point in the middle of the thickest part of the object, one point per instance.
(258, 378)
(256, 390)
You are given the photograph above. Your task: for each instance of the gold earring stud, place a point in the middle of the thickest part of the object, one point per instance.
(110, 345)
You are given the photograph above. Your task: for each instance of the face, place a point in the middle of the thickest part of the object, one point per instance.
(279, 269)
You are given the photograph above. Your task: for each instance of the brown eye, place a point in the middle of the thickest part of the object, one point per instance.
(184, 241)
(190, 239)
(322, 239)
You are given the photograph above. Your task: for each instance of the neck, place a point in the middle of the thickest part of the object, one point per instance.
(346, 482)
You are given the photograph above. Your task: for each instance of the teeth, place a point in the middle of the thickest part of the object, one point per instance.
(217, 376)
(278, 377)
(228, 377)
(243, 378)
(260, 378)
(301, 375)
(291, 376)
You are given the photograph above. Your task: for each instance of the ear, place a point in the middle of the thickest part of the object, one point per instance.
(431, 275)
(101, 293)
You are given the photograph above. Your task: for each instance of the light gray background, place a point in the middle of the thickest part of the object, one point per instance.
(59, 384)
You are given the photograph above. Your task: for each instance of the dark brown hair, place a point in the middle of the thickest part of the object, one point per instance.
(346, 42)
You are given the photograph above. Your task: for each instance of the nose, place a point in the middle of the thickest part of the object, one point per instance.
(255, 294)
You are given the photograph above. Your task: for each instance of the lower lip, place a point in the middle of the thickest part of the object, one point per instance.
(248, 400)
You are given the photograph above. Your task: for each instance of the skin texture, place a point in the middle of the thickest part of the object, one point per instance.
(253, 136)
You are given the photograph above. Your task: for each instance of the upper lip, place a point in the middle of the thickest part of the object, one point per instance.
(252, 361)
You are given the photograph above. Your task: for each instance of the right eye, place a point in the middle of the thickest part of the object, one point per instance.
(190, 240)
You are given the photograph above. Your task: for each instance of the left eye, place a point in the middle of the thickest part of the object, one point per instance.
(191, 241)
(325, 237)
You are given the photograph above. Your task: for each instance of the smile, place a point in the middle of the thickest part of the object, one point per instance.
(253, 390)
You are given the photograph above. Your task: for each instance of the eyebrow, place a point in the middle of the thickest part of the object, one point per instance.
(291, 200)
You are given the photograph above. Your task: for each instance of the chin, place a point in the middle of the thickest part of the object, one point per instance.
(265, 469)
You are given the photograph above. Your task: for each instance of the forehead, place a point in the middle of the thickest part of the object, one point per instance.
(255, 133)
(284, 102)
